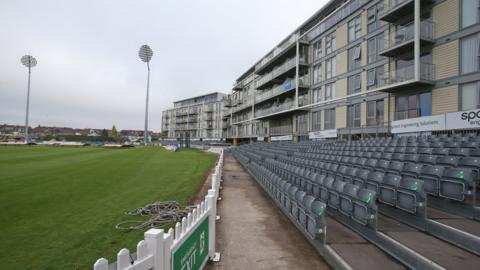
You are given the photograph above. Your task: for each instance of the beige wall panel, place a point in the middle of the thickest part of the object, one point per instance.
(342, 35)
(363, 114)
(445, 17)
(341, 88)
(341, 117)
(445, 99)
(342, 62)
(445, 59)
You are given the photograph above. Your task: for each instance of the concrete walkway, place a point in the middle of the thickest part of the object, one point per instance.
(252, 232)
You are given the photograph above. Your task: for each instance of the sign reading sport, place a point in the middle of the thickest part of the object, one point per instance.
(193, 253)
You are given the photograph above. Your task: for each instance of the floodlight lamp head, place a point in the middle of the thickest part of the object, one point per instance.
(28, 61)
(145, 53)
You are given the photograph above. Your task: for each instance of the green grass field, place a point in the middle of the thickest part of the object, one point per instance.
(59, 206)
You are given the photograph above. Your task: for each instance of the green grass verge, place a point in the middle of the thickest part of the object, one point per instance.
(59, 205)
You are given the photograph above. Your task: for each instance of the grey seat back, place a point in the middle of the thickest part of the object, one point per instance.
(410, 194)
(363, 205)
(388, 189)
(455, 183)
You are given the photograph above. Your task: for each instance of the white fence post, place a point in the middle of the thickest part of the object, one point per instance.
(155, 243)
(212, 215)
(168, 241)
(101, 264)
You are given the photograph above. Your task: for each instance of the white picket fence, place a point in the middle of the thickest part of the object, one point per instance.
(156, 251)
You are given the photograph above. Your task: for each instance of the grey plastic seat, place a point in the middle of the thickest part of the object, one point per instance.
(285, 191)
(411, 150)
(364, 206)
(472, 163)
(425, 151)
(460, 152)
(427, 159)
(350, 192)
(350, 174)
(453, 144)
(304, 210)
(297, 198)
(449, 161)
(386, 156)
(412, 169)
(398, 156)
(373, 181)
(410, 194)
(395, 167)
(317, 219)
(388, 189)
(334, 196)
(360, 177)
(411, 158)
(382, 165)
(440, 151)
(455, 183)
(371, 164)
(471, 145)
(327, 184)
(430, 176)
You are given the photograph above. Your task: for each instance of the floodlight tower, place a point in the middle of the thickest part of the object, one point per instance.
(146, 54)
(30, 62)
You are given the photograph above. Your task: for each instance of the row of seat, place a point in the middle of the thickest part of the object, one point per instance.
(307, 211)
(354, 202)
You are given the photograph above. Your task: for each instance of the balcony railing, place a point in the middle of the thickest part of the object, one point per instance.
(244, 104)
(391, 4)
(278, 50)
(427, 73)
(281, 130)
(275, 108)
(288, 65)
(303, 82)
(404, 34)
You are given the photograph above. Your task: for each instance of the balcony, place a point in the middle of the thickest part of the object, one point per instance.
(281, 72)
(284, 50)
(276, 108)
(402, 40)
(283, 89)
(404, 78)
(243, 105)
(238, 85)
(398, 10)
(281, 130)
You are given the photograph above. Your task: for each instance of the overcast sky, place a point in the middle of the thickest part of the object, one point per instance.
(89, 74)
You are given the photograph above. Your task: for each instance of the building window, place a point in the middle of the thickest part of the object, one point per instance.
(374, 46)
(373, 23)
(316, 120)
(330, 43)
(413, 106)
(353, 115)
(375, 77)
(331, 66)
(375, 112)
(329, 91)
(470, 94)
(302, 122)
(470, 12)
(329, 119)
(470, 53)
(317, 73)
(354, 57)
(354, 83)
(317, 50)
(354, 29)
(317, 95)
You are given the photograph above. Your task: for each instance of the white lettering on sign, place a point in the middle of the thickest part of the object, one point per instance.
(463, 120)
(426, 123)
(322, 134)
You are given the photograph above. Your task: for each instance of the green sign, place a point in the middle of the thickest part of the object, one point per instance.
(194, 250)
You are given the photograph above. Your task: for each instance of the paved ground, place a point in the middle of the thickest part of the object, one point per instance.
(252, 232)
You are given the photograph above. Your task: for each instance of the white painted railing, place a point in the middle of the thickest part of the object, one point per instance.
(189, 246)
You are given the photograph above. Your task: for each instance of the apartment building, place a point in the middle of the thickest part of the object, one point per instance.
(202, 118)
(359, 68)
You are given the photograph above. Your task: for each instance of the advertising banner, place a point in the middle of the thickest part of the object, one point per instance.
(323, 134)
(282, 138)
(194, 251)
(426, 123)
(463, 120)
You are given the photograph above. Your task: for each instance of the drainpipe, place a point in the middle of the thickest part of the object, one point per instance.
(417, 39)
